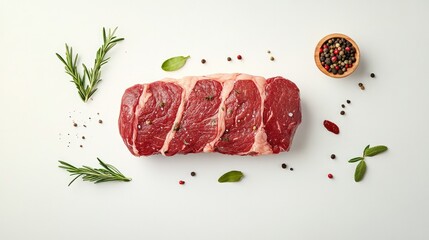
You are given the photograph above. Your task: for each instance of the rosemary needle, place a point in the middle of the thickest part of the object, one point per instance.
(106, 174)
(87, 82)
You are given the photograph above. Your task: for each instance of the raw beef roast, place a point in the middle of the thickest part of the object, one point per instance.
(235, 114)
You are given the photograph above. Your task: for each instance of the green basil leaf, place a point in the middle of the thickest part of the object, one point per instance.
(232, 176)
(174, 63)
(360, 171)
(356, 159)
(375, 150)
(363, 154)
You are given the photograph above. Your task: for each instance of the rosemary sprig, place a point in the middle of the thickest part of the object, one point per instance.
(87, 88)
(109, 173)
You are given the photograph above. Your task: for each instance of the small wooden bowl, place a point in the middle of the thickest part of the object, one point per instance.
(317, 55)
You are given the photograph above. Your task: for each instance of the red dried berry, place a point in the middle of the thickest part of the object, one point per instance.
(181, 182)
(327, 67)
(336, 51)
(330, 176)
(239, 57)
(334, 59)
(320, 50)
(347, 49)
(337, 67)
(332, 127)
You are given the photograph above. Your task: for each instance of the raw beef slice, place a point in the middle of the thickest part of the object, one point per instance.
(235, 114)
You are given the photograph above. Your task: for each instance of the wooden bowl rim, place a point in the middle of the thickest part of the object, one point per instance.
(317, 56)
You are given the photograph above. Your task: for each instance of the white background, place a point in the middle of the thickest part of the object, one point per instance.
(269, 203)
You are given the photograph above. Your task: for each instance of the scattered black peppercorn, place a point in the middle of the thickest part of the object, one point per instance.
(348, 101)
(193, 174)
(74, 124)
(229, 59)
(362, 87)
(268, 51)
(284, 166)
(84, 125)
(81, 146)
(372, 75)
(291, 169)
(272, 58)
(333, 156)
(83, 137)
(100, 121)
(342, 112)
(343, 106)
(203, 61)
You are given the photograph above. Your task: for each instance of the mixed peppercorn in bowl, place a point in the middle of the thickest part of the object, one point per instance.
(337, 55)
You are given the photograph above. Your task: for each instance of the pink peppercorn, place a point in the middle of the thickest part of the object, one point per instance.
(181, 182)
(330, 176)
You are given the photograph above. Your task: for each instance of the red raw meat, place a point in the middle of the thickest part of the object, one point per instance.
(199, 121)
(235, 114)
(281, 121)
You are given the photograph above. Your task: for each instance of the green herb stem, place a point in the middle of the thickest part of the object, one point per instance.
(367, 152)
(106, 174)
(87, 82)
